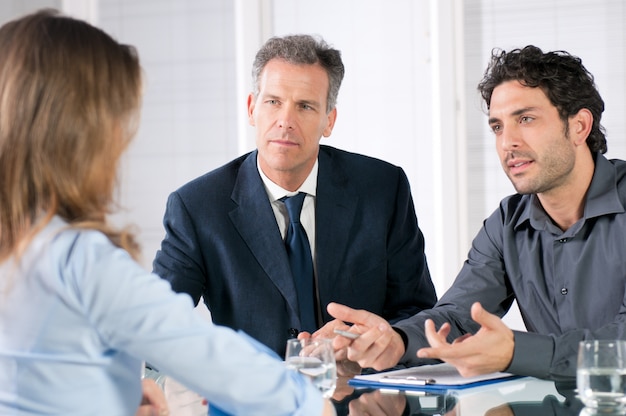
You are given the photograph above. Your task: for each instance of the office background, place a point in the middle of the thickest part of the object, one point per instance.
(409, 94)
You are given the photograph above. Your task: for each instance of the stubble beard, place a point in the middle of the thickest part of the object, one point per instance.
(554, 167)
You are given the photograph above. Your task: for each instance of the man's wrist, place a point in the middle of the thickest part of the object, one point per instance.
(403, 337)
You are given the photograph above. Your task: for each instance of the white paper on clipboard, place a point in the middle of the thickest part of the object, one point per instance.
(436, 376)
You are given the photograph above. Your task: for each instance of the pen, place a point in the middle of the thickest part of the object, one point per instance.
(346, 334)
(407, 380)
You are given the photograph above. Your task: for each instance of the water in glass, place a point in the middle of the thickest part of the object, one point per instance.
(315, 359)
(601, 374)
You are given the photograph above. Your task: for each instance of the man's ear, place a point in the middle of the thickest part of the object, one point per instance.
(332, 116)
(251, 102)
(580, 126)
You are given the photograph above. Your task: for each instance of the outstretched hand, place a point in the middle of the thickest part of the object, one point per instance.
(487, 351)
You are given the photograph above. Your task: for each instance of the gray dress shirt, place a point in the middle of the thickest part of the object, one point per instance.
(569, 285)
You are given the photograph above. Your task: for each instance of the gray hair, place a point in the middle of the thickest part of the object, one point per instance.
(302, 50)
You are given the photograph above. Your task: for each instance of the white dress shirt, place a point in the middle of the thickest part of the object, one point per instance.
(307, 216)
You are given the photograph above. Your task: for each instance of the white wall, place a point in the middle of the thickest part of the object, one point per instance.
(10, 9)
(187, 49)
(408, 97)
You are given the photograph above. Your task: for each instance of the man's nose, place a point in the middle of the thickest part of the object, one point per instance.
(509, 139)
(286, 118)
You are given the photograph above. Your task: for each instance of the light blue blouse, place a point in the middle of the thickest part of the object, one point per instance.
(78, 316)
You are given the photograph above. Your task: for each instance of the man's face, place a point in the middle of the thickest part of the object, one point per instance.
(290, 117)
(536, 153)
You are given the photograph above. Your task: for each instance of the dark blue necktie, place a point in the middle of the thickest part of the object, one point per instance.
(299, 252)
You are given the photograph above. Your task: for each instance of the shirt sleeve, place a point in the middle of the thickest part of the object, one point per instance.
(481, 279)
(137, 313)
(532, 355)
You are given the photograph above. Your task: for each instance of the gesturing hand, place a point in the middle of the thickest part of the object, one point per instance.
(487, 351)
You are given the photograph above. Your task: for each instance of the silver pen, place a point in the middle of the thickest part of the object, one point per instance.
(346, 334)
(407, 380)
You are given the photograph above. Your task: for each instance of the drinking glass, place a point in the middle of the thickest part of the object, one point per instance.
(601, 375)
(314, 358)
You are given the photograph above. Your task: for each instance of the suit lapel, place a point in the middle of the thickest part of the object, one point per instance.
(336, 204)
(254, 220)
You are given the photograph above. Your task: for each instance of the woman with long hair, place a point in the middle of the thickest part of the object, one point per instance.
(78, 314)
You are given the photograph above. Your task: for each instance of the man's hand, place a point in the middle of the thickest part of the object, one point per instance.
(327, 331)
(487, 351)
(153, 402)
(378, 345)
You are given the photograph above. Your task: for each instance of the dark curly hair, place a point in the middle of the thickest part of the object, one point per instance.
(562, 77)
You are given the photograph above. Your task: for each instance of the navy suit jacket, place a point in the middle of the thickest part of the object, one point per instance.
(222, 242)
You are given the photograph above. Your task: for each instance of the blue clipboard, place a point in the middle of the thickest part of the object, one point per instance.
(436, 377)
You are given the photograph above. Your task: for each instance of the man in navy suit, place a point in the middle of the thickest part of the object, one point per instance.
(225, 230)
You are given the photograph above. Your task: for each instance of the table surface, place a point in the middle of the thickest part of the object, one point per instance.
(524, 396)
(518, 397)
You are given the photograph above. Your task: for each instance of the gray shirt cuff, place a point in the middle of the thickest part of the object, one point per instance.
(532, 355)
(413, 341)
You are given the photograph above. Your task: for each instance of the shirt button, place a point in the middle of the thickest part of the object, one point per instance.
(564, 291)
(563, 240)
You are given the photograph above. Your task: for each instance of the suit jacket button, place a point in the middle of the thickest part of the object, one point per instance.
(292, 332)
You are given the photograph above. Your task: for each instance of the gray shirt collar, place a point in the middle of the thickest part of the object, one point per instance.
(601, 199)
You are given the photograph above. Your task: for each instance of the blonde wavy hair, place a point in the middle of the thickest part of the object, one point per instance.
(69, 106)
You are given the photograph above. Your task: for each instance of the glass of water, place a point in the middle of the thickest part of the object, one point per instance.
(314, 358)
(601, 375)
